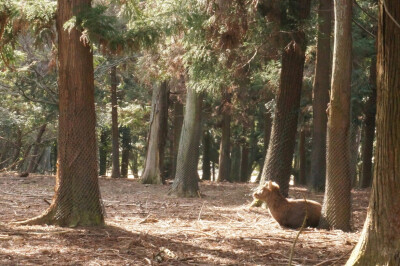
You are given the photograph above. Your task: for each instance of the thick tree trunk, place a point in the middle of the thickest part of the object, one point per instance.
(321, 95)
(225, 146)
(152, 173)
(34, 157)
(186, 178)
(103, 152)
(115, 173)
(77, 198)
(177, 128)
(126, 149)
(336, 209)
(206, 156)
(278, 162)
(369, 131)
(379, 243)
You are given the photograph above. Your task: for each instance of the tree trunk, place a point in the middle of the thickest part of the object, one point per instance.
(224, 154)
(379, 243)
(126, 149)
(186, 178)
(321, 96)
(278, 161)
(206, 156)
(369, 130)
(244, 163)
(336, 209)
(134, 164)
(152, 173)
(235, 165)
(115, 173)
(302, 155)
(18, 146)
(103, 152)
(177, 127)
(77, 199)
(34, 158)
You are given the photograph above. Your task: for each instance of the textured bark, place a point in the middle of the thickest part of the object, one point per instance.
(336, 209)
(206, 156)
(115, 173)
(35, 152)
(369, 131)
(379, 243)
(77, 197)
(186, 177)
(278, 162)
(126, 149)
(103, 151)
(321, 95)
(152, 173)
(177, 127)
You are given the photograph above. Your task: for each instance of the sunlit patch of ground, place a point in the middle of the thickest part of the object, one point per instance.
(146, 226)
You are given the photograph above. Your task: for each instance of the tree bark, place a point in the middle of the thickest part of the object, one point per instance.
(235, 165)
(336, 210)
(369, 130)
(115, 173)
(152, 173)
(126, 150)
(18, 146)
(321, 95)
(302, 155)
(186, 177)
(225, 146)
(206, 156)
(77, 199)
(379, 243)
(103, 151)
(34, 158)
(244, 163)
(177, 128)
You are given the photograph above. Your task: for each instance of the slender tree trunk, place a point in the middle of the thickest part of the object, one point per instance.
(244, 163)
(126, 150)
(77, 199)
(134, 164)
(369, 130)
(152, 173)
(34, 158)
(18, 146)
(186, 178)
(336, 209)
(379, 243)
(235, 165)
(103, 152)
(302, 155)
(321, 95)
(225, 146)
(115, 173)
(177, 127)
(206, 156)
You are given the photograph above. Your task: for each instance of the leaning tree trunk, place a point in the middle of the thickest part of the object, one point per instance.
(77, 199)
(321, 96)
(224, 169)
(278, 161)
(336, 209)
(186, 177)
(379, 243)
(115, 173)
(152, 173)
(369, 131)
(34, 158)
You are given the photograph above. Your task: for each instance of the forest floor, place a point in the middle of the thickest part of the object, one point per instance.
(145, 226)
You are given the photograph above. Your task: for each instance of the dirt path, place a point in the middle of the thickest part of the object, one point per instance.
(145, 227)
